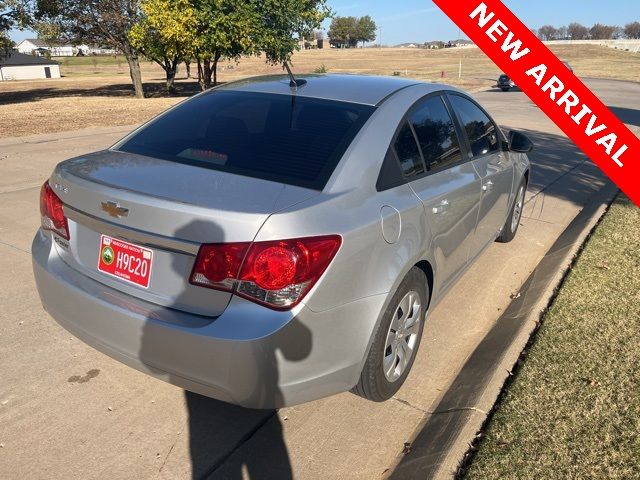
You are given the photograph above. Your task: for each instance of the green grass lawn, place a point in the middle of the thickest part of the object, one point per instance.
(573, 408)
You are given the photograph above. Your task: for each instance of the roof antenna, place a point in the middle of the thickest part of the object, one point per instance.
(293, 81)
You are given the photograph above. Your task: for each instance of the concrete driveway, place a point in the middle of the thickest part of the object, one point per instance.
(69, 412)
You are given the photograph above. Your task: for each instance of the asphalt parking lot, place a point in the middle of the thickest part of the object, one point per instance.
(67, 411)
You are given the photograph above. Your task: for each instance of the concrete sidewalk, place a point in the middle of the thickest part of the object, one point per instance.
(67, 411)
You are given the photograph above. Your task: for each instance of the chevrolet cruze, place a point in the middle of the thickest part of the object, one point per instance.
(271, 242)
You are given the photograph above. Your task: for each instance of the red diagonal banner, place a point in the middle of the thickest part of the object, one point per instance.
(553, 87)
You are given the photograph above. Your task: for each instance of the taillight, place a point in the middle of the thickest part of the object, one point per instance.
(277, 274)
(51, 212)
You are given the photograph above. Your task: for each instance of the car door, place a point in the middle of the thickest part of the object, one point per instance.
(493, 164)
(446, 182)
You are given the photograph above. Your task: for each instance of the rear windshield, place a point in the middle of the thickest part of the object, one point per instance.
(284, 138)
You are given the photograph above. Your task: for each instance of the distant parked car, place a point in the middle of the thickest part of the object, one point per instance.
(505, 83)
(267, 244)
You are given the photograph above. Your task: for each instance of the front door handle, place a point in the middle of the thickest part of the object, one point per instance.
(442, 207)
(487, 186)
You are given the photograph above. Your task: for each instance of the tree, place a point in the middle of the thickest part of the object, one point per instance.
(224, 28)
(234, 28)
(282, 22)
(13, 14)
(547, 32)
(603, 32)
(577, 31)
(103, 22)
(632, 30)
(562, 33)
(366, 29)
(165, 34)
(342, 32)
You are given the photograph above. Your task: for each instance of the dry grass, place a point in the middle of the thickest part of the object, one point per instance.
(96, 91)
(573, 410)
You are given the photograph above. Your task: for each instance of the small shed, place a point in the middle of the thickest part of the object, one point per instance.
(18, 66)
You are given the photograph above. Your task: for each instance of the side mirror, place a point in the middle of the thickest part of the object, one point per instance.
(519, 142)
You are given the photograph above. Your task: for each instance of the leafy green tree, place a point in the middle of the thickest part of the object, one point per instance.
(103, 22)
(366, 29)
(224, 28)
(343, 32)
(13, 14)
(283, 22)
(165, 34)
(231, 29)
(349, 31)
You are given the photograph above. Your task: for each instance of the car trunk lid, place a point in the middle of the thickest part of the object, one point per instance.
(167, 208)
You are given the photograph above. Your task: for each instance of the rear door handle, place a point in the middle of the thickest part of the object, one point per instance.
(442, 207)
(487, 186)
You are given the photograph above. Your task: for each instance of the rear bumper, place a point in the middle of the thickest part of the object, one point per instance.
(250, 355)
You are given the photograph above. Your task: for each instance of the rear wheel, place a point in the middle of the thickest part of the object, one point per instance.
(505, 89)
(512, 223)
(396, 341)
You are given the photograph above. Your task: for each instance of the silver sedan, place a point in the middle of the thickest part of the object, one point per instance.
(268, 242)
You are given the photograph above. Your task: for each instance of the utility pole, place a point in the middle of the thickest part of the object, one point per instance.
(380, 37)
(460, 66)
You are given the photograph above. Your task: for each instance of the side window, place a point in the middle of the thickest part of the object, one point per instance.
(436, 134)
(408, 153)
(481, 131)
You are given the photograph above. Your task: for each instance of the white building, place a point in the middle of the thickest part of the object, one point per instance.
(19, 66)
(35, 46)
(31, 46)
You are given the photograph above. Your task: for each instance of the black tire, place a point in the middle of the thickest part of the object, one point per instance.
(511, 225)
(374, 383)
(505, 89)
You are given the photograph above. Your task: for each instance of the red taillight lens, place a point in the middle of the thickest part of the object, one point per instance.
(52, 213)
(277, 274)
(217, 265)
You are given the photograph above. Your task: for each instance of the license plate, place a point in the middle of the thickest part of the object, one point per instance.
(126, 261)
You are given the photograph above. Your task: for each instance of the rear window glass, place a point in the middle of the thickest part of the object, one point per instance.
(283, 138)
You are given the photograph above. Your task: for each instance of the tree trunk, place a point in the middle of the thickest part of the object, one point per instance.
(134, 71)
(171, 70)
(171, 78)
(216, 59)
(187, 65)
(201, 75)
(207, 73)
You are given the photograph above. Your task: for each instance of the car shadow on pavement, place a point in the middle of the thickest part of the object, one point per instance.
(555, 156)
(627, 115)
(228, 441)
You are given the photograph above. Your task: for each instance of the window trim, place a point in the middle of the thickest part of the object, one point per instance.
(467, 141)
(464, 148)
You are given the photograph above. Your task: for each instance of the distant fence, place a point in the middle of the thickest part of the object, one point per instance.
(627, 45)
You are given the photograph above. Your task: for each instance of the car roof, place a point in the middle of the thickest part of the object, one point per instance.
(363, 89)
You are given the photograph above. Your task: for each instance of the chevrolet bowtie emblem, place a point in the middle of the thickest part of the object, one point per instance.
(114, 209)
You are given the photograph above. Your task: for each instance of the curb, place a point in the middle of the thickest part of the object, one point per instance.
(442, 440)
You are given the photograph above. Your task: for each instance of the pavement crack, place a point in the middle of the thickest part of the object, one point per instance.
(22, 188)
(168, 453)
(408, 404)
(15, 247)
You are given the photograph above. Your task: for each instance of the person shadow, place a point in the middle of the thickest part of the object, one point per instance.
(226, 441)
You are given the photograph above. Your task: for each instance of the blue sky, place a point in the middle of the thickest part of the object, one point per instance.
(420, 20)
